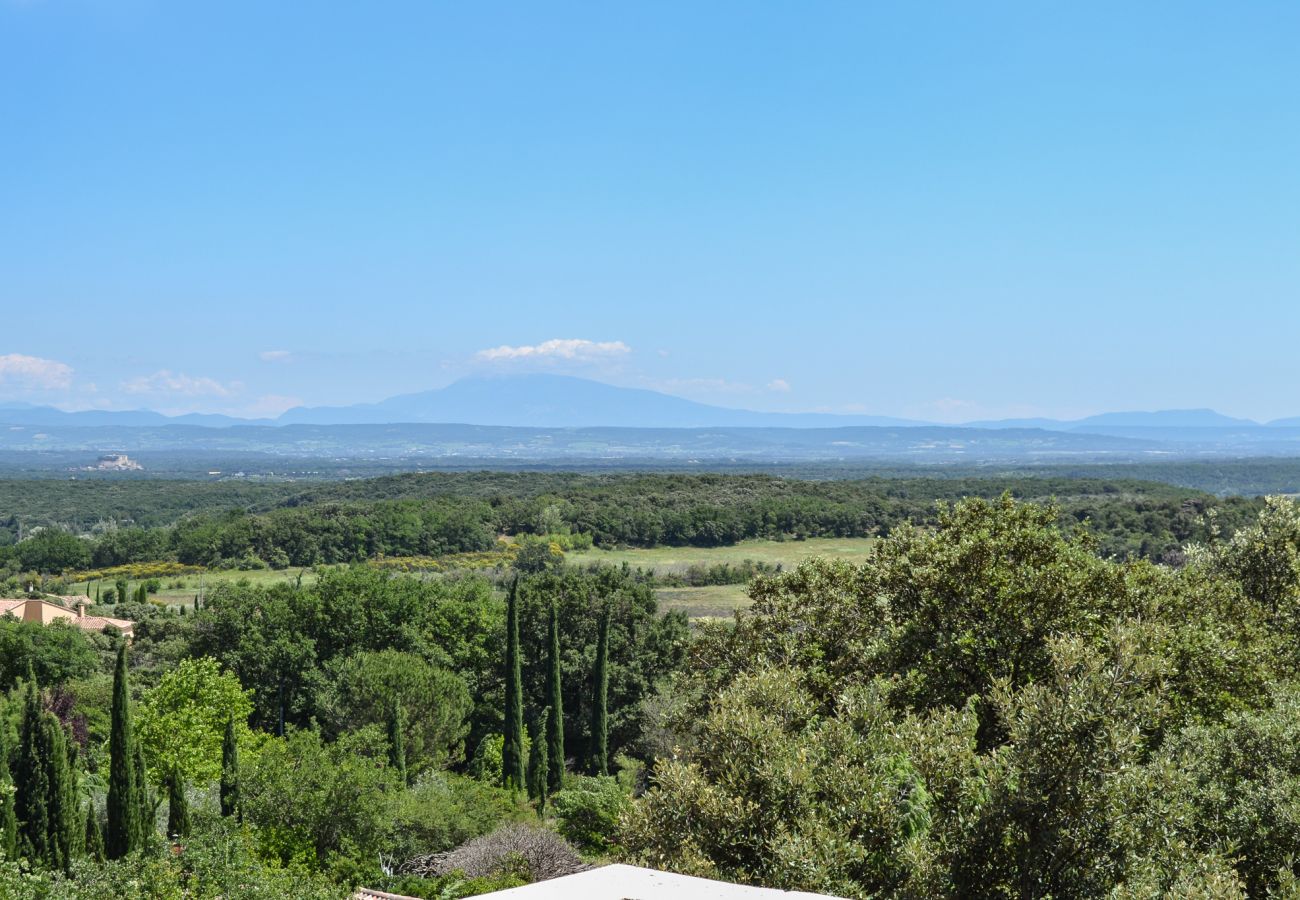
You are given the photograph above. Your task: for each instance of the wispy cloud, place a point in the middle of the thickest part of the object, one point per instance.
(779, 386)
(34, 372)
(165, 381)
(557, 349)
(275, 356)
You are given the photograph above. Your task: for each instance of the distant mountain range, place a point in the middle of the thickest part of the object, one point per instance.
(561, 401)
(555, 417)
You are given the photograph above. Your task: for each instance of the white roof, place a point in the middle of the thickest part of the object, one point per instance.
(633, 883)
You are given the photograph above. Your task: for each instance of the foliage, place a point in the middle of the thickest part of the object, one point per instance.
(512, 747)
(588, 811)
(361, 690)
(180, 723)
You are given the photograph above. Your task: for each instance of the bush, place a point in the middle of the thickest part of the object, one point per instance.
(588, 810)
(527, 851)
(444, 810)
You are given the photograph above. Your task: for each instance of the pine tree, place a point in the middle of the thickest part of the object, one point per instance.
(600, 697)
(512, 749)
(178, 807)
(230, 771)
(94, 835)
(554, 732)
(538, 764)
(8, 813)
(397, 740)
(123, 811)
(31, 781)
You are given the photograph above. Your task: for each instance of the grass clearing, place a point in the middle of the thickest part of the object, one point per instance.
(180, 590)
(720, 601)
(669, 560)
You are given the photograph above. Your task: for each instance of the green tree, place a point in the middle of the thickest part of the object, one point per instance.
(122, 595)
(94, 840)
(512, 759)
(178, 806)
(31, 781)
(144, 804)
(397, 739)
(360, 690)
(600, 697)
(554, 717)
(124, 826)
(180, 723)
(538, 764)
(53, 550)
(8, 810)
(230, 770)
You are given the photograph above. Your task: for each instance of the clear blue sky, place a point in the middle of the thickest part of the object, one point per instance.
(942, 210)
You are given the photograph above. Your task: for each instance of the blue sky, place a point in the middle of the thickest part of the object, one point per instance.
(939, 210)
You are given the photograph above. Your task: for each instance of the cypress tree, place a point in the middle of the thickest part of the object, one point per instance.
(144, 815)
(178, 807)
(98, 592)
(538, 764)
(8, 813)
(65, 815)
(122, 595)
(554, 732)
(512, 749)
(600, 697)
(123, 811)
(94, 835)
(230, 771)
(142, 593)
(31, 781)
(397, 740)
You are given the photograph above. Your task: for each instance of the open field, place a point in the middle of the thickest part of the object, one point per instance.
(713, 602)
(178, 590)
(669, 560)
(719, 601)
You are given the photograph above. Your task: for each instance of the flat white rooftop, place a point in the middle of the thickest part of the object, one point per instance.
(633, 883)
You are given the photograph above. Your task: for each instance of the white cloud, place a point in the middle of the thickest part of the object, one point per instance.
(34, 373)
(275, 356)
(779, 385)
(557, 349)
(165, 381)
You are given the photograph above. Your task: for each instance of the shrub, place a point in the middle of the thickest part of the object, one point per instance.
(588, 810)
(444, 810)
(532, 853)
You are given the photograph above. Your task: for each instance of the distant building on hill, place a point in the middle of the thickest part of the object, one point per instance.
(115, 462)
(44, 612)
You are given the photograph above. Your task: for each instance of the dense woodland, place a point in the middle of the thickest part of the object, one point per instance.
(97, 524)
(997, 703)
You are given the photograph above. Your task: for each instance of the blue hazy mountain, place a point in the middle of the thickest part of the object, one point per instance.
(1164, 418)
(562, 401)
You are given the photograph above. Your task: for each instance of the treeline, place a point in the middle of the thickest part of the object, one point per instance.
(431, 515)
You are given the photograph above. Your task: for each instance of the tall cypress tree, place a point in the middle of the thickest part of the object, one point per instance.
(65, 815)
(121, 591)
(230, 771)
(178, 806)
(142, 593)
(538, 764)
(8, 811)
(555, 697)
(94, 835)
(31, 780)
(123, 810)
(512, 748)
(144, 815)
(600, 697)
(397, 739)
